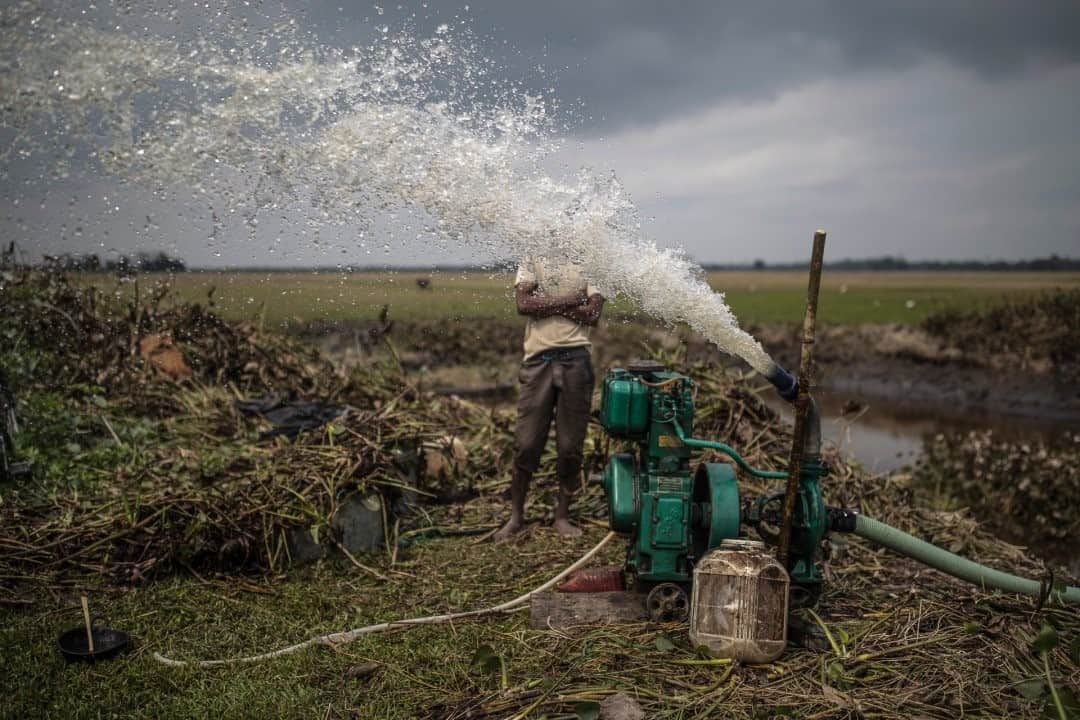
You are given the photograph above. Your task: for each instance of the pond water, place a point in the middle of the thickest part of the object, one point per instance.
(885, 435)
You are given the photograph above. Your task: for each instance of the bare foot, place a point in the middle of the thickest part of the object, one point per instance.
(512, 527)
(567, 529)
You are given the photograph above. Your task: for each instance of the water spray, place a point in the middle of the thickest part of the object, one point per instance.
(327, 140)
(333, 138)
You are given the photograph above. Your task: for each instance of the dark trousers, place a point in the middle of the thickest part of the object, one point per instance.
(559, 387)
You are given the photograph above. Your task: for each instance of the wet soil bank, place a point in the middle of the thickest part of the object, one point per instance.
(900, 366)
(916, 372)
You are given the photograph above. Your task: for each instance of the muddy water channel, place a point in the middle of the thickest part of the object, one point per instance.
(884, 435)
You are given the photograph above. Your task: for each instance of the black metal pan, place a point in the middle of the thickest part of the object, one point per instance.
(107, 643)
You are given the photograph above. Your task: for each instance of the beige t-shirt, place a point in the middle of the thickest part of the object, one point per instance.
(556, 331)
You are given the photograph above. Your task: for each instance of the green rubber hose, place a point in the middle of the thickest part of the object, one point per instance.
(954, 565)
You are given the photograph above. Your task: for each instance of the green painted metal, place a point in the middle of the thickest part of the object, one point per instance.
(624, 405)
(671, 515)
(730, 452)
(661, 547)
(809, 525)
(651, 494)
(716, 491)
(810, 522)
(619, 484)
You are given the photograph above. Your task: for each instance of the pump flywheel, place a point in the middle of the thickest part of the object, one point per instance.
(667, 602)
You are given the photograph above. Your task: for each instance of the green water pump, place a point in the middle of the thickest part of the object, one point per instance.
(673, 512)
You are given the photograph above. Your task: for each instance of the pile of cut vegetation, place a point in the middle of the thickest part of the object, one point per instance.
(72, 333)
(1037, 335)
(129, 490)
(1031, 489)
(141, 471)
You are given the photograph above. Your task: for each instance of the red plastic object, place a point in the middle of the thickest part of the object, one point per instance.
(609, 578)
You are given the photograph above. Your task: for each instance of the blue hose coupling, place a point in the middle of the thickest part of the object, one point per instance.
(785, 383)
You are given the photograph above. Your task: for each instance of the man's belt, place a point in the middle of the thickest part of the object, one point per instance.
(554, 354)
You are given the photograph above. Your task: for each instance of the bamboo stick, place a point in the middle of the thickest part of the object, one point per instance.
(802, 402)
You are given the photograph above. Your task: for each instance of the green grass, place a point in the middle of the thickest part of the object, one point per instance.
(187, 618)
(284, 299)
(858, 298)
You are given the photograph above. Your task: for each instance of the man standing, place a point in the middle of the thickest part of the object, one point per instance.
(556, 381)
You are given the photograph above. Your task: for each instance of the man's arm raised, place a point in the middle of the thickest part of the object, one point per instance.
(529, 302)
(587, 314)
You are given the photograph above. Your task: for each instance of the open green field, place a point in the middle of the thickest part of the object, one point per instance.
(288, 298)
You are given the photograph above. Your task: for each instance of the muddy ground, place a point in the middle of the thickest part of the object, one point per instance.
(947, 414)
(895, 363)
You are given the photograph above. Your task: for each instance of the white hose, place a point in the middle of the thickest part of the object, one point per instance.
(347, 636)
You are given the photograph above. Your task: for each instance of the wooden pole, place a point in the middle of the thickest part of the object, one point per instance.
(86, 620)
(802, 402)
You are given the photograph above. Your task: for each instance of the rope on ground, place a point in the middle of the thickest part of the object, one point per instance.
(340, 638)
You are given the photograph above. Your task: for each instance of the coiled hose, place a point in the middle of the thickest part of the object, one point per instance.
(943, 560)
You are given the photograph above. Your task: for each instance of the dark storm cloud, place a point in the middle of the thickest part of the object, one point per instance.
(633, 62)
(927, 129)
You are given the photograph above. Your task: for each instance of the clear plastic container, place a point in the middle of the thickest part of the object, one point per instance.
(739, 603)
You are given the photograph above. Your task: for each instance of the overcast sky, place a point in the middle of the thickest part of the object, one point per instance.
(932, 130)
